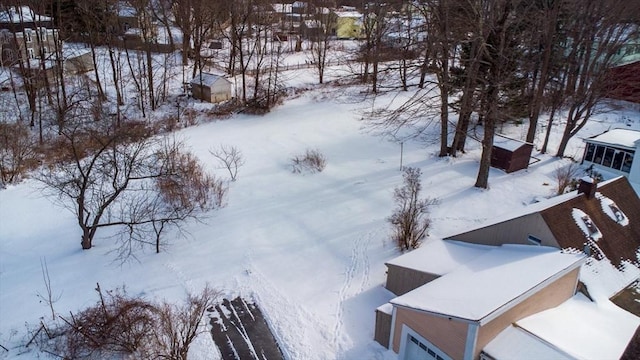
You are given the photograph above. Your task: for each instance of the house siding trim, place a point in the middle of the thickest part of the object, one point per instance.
(472, 339)
(393, 328)
(444, 316)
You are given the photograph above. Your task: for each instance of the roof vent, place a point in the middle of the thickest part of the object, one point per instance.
(588, 187)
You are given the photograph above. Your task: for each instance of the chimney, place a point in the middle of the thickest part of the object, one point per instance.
(587, 186)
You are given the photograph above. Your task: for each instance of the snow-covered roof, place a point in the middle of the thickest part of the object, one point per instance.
(440, 257)
(349, 14)
(207, 79)
(515, 343)
(126, 10)
(617, 137)
(506, 143)
(584, 329)
(21, 14)
(493, 281)
(529, 209)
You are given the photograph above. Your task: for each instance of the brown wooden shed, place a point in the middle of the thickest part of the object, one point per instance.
(509, 154)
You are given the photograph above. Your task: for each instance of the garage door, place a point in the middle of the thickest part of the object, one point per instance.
(417, 350)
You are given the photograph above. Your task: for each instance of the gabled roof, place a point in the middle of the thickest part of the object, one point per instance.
(21, 14)
(618, 241)
(207, 79)
(617, 137)
(439, 257)
(584, 329)
(507, 143)
(492, 283)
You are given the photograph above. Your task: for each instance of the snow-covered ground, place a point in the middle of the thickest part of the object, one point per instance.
(309, 248)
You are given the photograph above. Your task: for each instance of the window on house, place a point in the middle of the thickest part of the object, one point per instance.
(43, 34)
(534, 240)
(597, 158)
(628, 160)
(28, 35)
(417, 349)
(608, 157)
(617, 159)
(590, 151)
(30, 53)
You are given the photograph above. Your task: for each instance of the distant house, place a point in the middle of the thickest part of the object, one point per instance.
(349, 24)
(623, 82)
(476, 292)
(509, 154)
(211, 88)
(25, 35)
(614, 152)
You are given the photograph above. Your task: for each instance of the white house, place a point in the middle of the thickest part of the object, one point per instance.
(613, 152)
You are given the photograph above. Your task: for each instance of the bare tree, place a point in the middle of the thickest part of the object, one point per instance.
(49, 298)
(230, 157)
(596, 31)
(178, 326)
(410, 219)
(17, 152)
(319, 33)
(119, 176)
(566, 175)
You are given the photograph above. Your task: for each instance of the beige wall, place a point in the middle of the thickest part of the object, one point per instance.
(551, 296)
(402, 280)
(448, 335)
(514, 231)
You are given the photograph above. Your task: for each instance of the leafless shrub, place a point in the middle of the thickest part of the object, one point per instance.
(168, 123)
(410, 220)
(230, 157)
(119, 325)
(566, 176)
(48, 297)
(178, 326)
(312, 161)
(17, 153)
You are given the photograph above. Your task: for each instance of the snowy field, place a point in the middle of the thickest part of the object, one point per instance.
(308, 248)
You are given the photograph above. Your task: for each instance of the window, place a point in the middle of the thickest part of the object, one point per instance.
(617, 159)
(28, 35)
(628, 160)
(43, 34)
(589, 154)
(534, 240)
(608, 157)
(30, 53)
(598, 156)
(423, 350)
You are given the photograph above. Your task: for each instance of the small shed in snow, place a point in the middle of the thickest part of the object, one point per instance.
(211, 88)
(509, 154)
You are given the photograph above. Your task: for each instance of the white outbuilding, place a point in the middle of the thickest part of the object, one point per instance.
(211, 88)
